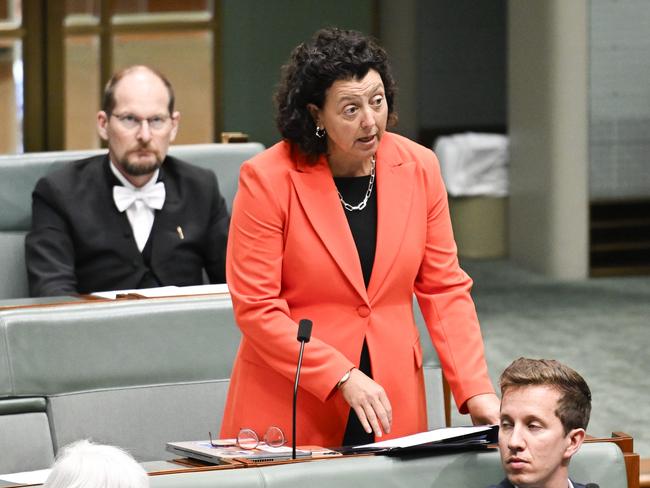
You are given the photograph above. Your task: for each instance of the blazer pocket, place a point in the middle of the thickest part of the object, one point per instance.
(417, 353)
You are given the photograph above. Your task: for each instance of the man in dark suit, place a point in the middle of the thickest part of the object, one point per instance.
(545, 408)
(135, 217)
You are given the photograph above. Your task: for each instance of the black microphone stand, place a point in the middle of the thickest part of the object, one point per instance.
(304, 334)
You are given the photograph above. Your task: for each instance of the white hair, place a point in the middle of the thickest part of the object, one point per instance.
(84, 464)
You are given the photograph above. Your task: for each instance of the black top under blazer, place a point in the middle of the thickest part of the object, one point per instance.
(81, 243)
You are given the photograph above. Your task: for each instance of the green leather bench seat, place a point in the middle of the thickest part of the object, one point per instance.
(10, 406)
(132, 373)
(24, 434)
(601, 463)
(25, 442)
(91, 346)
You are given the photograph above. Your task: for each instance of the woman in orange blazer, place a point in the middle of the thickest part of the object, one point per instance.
(341, 223)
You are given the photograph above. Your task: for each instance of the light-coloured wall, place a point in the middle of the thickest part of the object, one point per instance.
(619, 85)
(548, 126)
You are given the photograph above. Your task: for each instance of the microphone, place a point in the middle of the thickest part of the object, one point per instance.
(304, 330)
(592, 485)
(304, 334)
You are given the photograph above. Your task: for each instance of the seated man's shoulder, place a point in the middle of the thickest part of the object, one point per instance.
(184, 169)
(74, 173)
(189, 178)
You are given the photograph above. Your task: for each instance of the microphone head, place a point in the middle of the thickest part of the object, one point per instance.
(304, 330)
(592, 485)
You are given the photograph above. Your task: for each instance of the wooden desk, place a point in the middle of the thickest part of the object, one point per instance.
(14, 303)
(26, 303)
(187, 465)
(644, 477)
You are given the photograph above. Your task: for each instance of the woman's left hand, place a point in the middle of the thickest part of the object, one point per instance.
(484, 409)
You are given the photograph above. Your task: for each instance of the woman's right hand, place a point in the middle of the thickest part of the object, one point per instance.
(369, 401)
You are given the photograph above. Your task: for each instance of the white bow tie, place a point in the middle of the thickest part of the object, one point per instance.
(152, 196)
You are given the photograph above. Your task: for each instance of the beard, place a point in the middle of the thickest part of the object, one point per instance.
(140, 168)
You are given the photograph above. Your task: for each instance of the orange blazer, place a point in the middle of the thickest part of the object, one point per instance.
(291, 256)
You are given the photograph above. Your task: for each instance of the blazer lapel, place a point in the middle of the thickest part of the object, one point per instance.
(167, 219)
(395, 179)
(317, 193)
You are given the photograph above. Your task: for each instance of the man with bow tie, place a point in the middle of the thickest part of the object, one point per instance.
(135, 217)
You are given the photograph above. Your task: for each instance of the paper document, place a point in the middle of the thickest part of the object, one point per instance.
(37, 477)
(437, 435)
(167, 291)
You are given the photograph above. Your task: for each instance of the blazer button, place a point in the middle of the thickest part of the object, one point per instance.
(363, 311)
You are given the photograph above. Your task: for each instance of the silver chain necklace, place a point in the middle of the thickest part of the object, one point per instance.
(364, 202)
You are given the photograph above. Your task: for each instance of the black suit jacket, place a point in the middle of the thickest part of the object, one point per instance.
(506, 484)
(81, 243)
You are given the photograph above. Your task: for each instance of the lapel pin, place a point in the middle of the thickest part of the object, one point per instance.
(180, 232)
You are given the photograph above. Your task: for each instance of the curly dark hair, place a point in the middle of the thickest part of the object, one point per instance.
(332, 54)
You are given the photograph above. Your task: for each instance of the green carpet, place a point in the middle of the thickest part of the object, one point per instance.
(600, 327)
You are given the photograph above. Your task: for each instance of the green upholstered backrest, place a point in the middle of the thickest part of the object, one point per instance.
(136, 373)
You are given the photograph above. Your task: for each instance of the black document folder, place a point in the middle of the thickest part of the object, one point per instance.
(438, 441)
